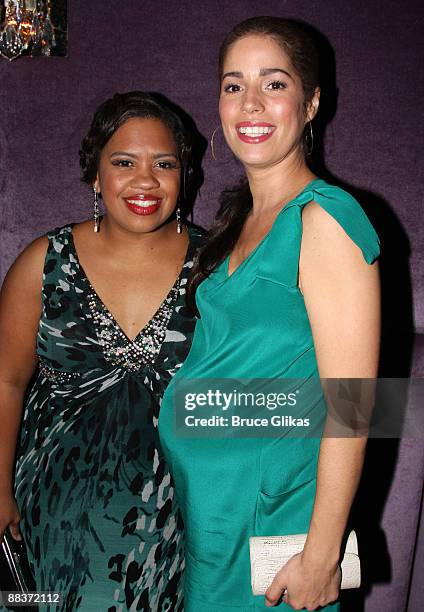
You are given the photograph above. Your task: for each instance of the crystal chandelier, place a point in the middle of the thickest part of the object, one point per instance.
(26, 27)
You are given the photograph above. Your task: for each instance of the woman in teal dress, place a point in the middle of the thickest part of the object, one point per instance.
(100, 318)
(285, 288)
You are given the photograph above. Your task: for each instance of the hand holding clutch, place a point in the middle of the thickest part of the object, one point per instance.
(269, 554)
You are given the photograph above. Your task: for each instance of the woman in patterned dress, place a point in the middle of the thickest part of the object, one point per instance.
(93, 493)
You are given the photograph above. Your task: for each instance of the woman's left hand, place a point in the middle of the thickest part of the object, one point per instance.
(306, 584)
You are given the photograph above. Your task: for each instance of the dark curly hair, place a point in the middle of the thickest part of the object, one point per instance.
(115, 111)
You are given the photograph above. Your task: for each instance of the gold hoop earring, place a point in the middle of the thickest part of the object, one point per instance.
(212, 144)
(309, 141)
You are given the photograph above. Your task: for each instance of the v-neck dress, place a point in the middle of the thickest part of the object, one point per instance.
(99, 515)
(253, 325)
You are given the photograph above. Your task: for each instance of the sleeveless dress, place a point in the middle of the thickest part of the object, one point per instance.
(99, 516)
(253, 325)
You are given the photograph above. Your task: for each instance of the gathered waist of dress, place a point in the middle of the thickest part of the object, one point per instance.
(57, 376)
(102, 377)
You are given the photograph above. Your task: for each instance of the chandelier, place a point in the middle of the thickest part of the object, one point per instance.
(26, 28)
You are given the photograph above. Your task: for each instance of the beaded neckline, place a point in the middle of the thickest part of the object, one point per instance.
(145, 347)
(117, 347)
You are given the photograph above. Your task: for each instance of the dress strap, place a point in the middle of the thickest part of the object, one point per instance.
(280, 258)
(59, 273)
(59, 260)
(60, 234)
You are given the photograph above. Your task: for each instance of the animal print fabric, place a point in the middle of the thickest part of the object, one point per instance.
(99, 516)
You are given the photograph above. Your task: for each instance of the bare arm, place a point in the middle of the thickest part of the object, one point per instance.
(342, 297)
(20, 308)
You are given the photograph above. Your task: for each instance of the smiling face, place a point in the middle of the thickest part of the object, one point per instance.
(261, 103)
(139, 175)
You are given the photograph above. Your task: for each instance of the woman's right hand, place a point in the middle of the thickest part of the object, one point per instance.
(9, 516)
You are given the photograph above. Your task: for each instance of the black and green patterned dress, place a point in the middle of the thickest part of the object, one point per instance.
(97, 502)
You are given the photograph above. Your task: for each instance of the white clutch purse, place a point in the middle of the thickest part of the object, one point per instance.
(269, 554)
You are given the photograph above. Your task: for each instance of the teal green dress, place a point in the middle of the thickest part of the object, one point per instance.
(253, 324)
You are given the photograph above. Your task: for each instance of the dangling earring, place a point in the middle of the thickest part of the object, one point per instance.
(178, 217)
(309, 141)
(96, 214)
(178, 209)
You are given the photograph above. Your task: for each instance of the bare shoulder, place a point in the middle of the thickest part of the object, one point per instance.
(27, 270)
(83, 229)
(20, 310)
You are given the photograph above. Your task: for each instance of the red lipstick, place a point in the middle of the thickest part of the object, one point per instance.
(143, 205)
(254, 132)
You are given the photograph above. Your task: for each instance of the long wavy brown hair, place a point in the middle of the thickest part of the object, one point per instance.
(236, 202)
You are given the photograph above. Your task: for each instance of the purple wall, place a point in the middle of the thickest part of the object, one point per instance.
(171, 46)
